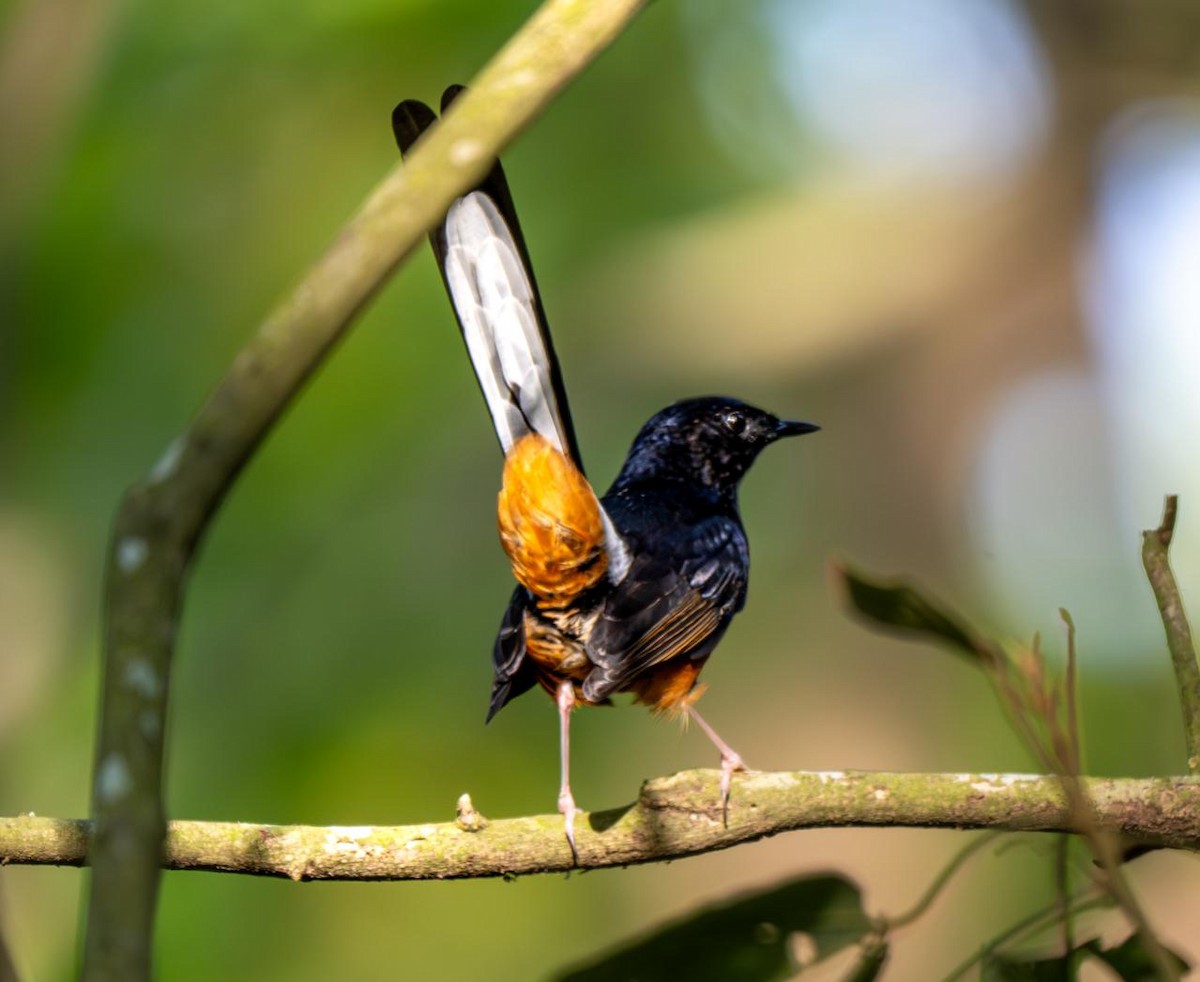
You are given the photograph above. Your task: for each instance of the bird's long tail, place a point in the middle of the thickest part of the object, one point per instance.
(554, 529)
(486, 269)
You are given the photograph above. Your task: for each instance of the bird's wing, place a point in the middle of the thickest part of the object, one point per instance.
(671, 604)
(485, 266)
(512, 673)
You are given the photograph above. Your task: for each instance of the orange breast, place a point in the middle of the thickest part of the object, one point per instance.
(550, 524)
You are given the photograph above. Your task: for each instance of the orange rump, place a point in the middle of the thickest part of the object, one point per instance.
(550, 523)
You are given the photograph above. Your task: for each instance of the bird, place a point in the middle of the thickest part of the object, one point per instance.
(628, 592)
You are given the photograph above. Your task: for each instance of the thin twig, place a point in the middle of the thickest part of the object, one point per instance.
(1155, 546)
(162, 518)
(1100, 836)
(1038, 698)
(1106, 849)
(1062, 890)
(935, 888)
(1037, 921)
(1072, 694)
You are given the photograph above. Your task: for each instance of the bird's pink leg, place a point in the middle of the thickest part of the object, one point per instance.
(730, 759)
(566, 802)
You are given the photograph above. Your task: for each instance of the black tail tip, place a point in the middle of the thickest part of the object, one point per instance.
(500, 696)
(410, 119)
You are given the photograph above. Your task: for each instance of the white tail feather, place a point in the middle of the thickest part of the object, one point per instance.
(492, 294)
(494, 300)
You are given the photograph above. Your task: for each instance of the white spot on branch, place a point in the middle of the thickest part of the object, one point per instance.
(465, 152)
(523, 79)
(131, 553)
(113, 780)
(346, 840)
(988, 783)
(350, 831)
(142, 679)
(167, 463)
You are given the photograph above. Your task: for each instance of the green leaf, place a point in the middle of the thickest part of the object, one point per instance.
(748, 939)
(895, 604)
(1131, 961)
(1004, 968)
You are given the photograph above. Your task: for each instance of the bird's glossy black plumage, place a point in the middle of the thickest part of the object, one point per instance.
(627, 593)
(674, 504)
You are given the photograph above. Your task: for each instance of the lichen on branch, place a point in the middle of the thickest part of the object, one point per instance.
(674, 817)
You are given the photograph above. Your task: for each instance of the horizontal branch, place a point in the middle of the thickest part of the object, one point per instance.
(673, 817)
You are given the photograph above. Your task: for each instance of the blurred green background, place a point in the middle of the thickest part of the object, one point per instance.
(960, 234)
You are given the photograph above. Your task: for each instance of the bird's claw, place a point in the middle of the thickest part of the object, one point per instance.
(730, 762)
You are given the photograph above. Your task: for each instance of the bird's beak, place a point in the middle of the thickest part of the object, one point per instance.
(793, 427)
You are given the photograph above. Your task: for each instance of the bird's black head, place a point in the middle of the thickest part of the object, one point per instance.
(709, 442)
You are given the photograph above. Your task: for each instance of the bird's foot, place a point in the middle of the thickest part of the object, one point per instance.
(730, 762)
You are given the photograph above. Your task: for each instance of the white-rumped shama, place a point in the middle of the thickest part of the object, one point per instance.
(626, 593)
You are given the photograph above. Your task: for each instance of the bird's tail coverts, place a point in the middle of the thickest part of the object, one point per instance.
(551, 523)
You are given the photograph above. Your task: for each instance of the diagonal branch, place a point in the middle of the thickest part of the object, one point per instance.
(674, 817)
(1155, 545)
(161, 519)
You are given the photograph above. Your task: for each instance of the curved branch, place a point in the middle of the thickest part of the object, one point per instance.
(1155, 546)
(673, 817)
(161, 519)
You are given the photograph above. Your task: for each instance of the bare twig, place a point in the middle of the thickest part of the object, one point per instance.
(1059, 751)
(1073, 738)
(1062, 890)
(1039, 920)
(162, 518)
(1155, 546)
(673, 817)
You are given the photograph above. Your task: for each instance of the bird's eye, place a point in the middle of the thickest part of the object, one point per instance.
(734, 421)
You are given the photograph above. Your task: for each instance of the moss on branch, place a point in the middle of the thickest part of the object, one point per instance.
(674, 817)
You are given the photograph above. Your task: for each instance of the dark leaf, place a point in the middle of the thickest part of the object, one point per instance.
(1003, 968)
(1131, 961)
(897, 605)
(748, 939)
